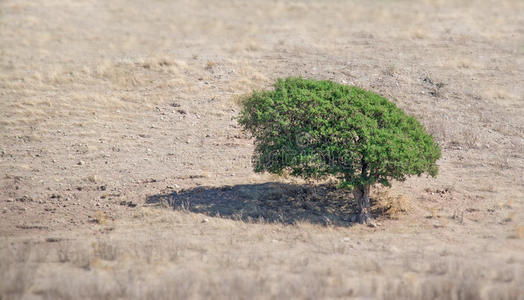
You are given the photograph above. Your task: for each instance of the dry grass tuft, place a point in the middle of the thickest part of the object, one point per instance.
(498, 93)
(210, 65)
(100, 217)
(392, 206)
(519, 231)
(238, 99)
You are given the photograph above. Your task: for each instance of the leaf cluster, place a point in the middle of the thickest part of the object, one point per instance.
(317, 128)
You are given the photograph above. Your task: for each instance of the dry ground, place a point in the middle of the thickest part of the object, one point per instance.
(108, 107)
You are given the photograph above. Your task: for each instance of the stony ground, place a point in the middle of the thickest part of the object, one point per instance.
(124, 174)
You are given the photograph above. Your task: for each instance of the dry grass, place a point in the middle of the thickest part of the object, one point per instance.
(105, 105)
(391, 206)
(165, 254)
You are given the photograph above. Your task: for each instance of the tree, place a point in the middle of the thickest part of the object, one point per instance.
(319, 128)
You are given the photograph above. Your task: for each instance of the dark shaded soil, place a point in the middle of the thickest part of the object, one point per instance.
(270, 202)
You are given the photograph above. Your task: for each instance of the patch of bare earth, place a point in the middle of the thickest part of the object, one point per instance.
(123, 173)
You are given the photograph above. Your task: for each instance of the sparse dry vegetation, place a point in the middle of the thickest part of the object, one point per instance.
(164, 254)
(125, 175)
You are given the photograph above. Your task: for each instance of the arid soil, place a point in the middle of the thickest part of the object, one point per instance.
(124, 174)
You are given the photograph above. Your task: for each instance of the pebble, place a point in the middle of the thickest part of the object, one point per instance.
(205, 220)
(4, 210)
(81, 163)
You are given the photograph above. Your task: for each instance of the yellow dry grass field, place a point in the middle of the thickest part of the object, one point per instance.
(125, 175)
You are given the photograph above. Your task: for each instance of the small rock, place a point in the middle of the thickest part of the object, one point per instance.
(53, 239)
(24, 198)
(103, 187)
(345, 240)
(205, 220)
(81, 163)
(128, 203)
(4, 210)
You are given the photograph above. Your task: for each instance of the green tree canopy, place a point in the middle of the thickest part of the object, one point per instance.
(316, 128)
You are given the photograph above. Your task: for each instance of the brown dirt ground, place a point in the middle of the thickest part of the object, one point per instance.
(108, 107)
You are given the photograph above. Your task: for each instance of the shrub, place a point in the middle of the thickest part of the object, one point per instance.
(315, 129)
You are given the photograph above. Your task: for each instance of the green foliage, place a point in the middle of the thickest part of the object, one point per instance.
(319, 128)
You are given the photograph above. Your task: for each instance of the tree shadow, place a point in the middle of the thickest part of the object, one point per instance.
(268, 202)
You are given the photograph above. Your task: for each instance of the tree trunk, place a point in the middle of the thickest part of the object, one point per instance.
(361, 194)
